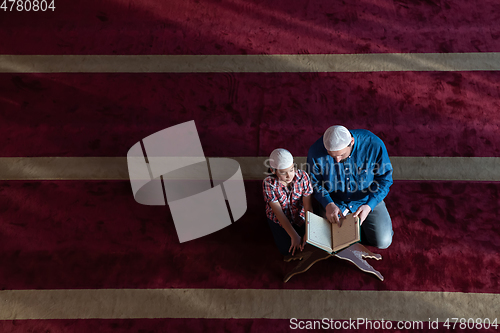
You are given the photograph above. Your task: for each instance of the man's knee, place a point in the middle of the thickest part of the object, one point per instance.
(382, 235)
(383, 241)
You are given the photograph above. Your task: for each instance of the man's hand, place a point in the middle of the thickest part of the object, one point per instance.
(332, 214)
(297, 243)
(362, 213)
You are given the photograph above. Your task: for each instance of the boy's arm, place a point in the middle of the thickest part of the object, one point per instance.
(296, 243)
(307, 202)
(307, 193)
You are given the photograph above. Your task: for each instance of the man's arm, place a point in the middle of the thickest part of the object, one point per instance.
(382, 178)
(316, 174)
(321, 193)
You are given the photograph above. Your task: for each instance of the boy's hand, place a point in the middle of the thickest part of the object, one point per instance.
(296, 244)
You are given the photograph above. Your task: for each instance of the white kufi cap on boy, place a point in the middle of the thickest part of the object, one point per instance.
(280, 159)
(336, 138)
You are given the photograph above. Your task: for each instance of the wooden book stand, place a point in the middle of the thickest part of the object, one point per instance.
(355, 253)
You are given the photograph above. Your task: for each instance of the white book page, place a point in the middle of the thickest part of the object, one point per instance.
(319, 231)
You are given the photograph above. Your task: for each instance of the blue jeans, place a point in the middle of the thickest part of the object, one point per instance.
(376, 230)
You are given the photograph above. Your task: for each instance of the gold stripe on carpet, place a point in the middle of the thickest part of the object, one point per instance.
(275, 63)
(245, 303)
(253, 168)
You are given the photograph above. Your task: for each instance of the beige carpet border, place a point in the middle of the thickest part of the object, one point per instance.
(253, 168)
(245, 303)
(276, 63)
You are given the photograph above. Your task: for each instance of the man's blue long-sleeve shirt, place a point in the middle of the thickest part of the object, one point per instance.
(364, 178)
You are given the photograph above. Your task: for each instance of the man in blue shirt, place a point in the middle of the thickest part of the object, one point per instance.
(351, 172)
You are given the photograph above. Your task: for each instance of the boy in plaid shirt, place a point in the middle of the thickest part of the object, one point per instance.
(287, 193)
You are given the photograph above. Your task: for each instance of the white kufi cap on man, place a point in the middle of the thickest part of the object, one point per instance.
(281, 159)
(336, 138)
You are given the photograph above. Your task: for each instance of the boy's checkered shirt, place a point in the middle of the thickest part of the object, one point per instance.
(289, 200)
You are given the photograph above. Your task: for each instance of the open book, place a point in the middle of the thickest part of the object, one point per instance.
(329, 236)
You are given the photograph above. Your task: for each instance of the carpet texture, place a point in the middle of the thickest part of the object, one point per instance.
(416, 114)
(92, 234)
(192, 325)
(75, 234)
(253, 27)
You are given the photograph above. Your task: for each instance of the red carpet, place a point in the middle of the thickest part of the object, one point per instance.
(72, 235)
(416, 114)
(90, 234)
(185, 325)
(253, 27)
